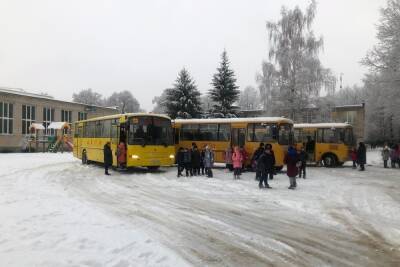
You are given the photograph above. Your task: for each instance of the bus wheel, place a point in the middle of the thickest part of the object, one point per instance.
(329, 161)
(153, 168)
(84, 158)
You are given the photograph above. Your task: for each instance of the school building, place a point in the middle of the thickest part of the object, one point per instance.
(19, 109)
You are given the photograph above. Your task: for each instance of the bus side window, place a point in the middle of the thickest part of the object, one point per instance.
(76, 132)
(250, 132)
(176, 135)
(320, 136)
(224, 132)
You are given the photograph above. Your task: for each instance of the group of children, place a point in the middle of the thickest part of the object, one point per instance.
(391, 153)
(263, 162)
(194, 161)
(200, 162)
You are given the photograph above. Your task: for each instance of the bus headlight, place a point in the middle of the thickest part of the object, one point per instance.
(171, 156)
(135, 156)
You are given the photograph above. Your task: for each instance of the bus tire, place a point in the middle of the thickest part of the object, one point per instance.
(84, 158)
(329, 160)
(153, 168)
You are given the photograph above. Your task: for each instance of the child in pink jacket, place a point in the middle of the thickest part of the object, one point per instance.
(237, 161)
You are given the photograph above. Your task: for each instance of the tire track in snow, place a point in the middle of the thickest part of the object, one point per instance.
(184, 217)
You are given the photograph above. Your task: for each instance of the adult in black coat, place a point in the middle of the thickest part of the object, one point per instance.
(270, 163)
(187, 159)
(255, 158)
(196, 161)
(362, 156)
(303, 156)
(269, 147)
(108, 158)
(180, 161)
(266, 167)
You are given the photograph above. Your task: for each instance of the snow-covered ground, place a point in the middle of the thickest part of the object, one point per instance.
(56, 212)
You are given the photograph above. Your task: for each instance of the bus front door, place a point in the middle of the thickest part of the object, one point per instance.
(115, 133)
(310, 146)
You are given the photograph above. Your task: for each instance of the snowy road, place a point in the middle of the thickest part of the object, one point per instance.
(56, 212)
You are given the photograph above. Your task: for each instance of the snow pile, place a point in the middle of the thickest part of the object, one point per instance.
(42, 225)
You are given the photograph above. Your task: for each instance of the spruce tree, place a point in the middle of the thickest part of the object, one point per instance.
(184, 98)
(225, 91)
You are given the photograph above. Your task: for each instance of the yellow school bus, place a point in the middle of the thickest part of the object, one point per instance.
(243, 132)
(148, 139)
(325, 143)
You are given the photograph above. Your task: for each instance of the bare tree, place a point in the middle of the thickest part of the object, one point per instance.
(89, 97)
(267, 82)
(249, 98)
(125, 101)
(383, 82)
(294, 49)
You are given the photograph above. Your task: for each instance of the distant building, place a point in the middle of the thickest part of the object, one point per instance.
(19, 109)
(352, 114)
(251, 113)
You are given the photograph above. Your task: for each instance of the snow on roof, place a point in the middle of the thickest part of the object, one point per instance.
(322, 125)
(37, 126)
(58, 125)
(116, 116)
(235, 120)
(19, 91)
(22, 92)
(351, 106)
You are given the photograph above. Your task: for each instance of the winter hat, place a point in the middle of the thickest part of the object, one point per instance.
(292, 151)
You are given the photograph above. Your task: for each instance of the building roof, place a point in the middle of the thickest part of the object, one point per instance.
(22, 92)
(37, 126)
(350, 106)
(235, 120)
(322, 125)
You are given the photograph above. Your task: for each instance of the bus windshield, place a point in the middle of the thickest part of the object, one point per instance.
(149, 130)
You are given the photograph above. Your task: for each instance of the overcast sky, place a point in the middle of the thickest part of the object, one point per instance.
(63, 46)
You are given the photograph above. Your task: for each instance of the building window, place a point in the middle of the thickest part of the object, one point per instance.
(28, 117)
(82, 116)
(6, 118)
(48, 117)
(66, 116)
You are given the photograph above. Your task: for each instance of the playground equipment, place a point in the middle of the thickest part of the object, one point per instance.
(60, 141)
